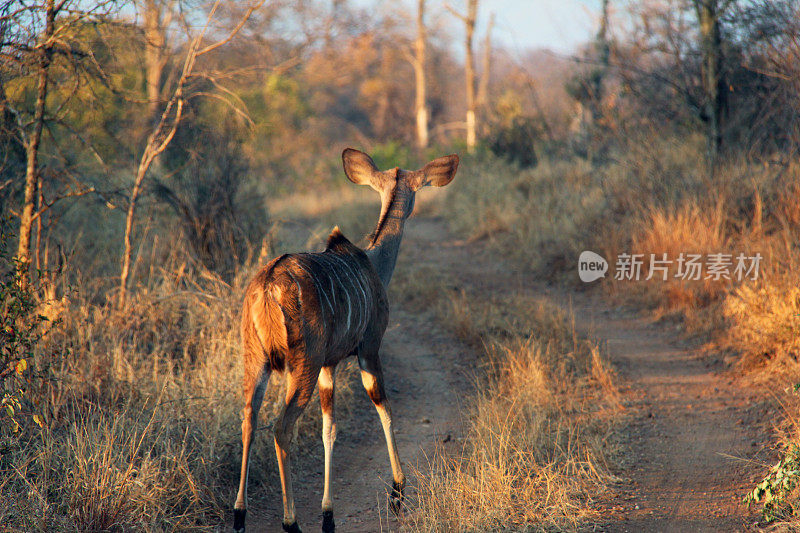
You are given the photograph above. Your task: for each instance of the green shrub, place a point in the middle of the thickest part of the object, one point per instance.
(515, 141)
(392, 154)
(21, 328)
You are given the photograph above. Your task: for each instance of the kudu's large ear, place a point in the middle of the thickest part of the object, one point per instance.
(438, 172)
(360, 168)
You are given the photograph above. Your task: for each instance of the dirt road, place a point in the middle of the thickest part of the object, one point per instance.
(685, 417)
(689, 420)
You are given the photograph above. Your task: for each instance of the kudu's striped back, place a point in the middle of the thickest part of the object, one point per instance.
(305, 312)
(329, 298)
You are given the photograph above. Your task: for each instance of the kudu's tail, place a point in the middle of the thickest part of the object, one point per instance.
(263, 330)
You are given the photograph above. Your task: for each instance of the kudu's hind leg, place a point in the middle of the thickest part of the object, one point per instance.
(372, 379)
(255, 384)
(299, 388)
(326, 393)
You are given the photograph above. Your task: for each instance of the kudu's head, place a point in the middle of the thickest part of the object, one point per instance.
(396, 186)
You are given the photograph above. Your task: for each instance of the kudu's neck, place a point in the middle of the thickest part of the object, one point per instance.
(385, 240)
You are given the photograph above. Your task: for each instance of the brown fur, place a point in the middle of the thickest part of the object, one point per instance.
(375, 394)
(306, 311)
(326, 399)
(284, 309)
(263, 327)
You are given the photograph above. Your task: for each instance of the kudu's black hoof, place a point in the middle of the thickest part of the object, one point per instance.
(291, 528)
(327, 522)
(238, 520)
(396, 497)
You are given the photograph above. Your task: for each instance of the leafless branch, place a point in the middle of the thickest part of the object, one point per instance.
(234, 31)
(72, 194)
(456, 14)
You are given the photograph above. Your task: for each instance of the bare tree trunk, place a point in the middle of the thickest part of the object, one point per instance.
(603, 58)
(39, 205)
(486, 65)
(598, 145)
(127, 251)
(708, 16)
(163, 133)
(469, 70)
(336, 7)
(155, 57)
(381, 122)
(157, 142)
(32, 168)
(419, 75)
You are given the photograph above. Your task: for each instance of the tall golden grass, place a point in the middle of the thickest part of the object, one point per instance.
(653, 201)
(142, 408)
(655, 196)
(536, 451)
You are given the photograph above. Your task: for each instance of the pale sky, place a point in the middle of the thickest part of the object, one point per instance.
(559, 25)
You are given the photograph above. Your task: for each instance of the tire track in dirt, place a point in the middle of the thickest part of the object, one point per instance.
(693, 437)
(689, 421)
(685, 416)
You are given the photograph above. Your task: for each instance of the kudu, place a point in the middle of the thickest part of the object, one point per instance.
(305, 312)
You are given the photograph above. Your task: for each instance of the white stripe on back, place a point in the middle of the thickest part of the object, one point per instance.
(317, 285)
(355, 282)
(347, 279)
(358, 280)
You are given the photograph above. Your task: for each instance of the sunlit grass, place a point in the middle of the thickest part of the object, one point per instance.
(536, 450)
(142, 412)
(655, 196)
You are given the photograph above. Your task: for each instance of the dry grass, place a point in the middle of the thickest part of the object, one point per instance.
(143, 409)
(656, 198)
(766, 324)
(535, 454)
(535, 217)
(690, 228)
(309, 218)
(143, 418)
